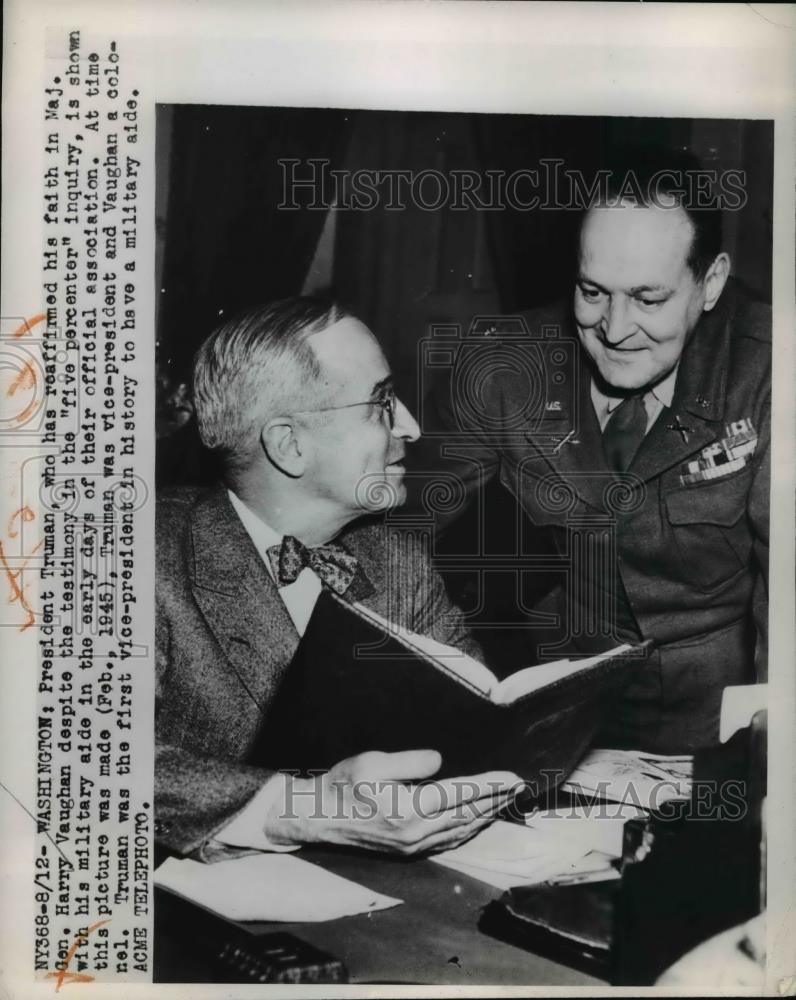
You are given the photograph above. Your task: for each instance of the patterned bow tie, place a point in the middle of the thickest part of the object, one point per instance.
(334, 564)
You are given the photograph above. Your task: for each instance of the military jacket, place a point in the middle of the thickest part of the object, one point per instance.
(676, 548)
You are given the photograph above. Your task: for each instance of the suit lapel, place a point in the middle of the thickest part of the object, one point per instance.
(239, 599)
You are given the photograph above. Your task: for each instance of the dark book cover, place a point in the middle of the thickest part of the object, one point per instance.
(353, 687)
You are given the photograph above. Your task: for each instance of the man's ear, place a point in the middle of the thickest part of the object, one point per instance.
(282, 445)
(715, 279)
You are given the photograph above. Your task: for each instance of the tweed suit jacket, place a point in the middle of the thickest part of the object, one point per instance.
(224, 640)
(690, 565)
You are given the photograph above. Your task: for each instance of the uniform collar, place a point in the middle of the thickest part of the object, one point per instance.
(696, 411)
(605, 404)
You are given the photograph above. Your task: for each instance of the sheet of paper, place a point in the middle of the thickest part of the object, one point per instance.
(500, 880)
(632, 777)
(504, 842)
(269, 887)
(738, 704)
(507, 854)
(596, 827)
(551, 869)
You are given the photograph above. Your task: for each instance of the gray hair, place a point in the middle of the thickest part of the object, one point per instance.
(255, 365)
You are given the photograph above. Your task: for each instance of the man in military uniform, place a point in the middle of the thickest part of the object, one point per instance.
(667, 437)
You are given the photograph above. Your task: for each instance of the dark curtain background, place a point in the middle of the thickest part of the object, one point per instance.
(227, 244)
(534, 251)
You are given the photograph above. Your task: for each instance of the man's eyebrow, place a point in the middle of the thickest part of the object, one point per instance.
(636, 290)
(379, 387)
(586, 280)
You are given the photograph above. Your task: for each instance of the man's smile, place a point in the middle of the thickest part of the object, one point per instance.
(622, 350)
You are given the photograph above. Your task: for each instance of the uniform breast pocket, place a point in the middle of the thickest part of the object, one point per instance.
(710, 531)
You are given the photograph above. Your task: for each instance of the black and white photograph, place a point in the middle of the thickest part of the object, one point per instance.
(397, 499)
(462, 538)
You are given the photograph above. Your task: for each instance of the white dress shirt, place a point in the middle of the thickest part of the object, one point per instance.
(246, 829)
(300, 596)
(654, 400)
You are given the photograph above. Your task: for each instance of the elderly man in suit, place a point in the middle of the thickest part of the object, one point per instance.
(655, 421)
(297, 400)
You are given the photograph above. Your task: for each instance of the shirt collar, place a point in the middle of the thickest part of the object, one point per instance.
(262, 534)
(663, 392)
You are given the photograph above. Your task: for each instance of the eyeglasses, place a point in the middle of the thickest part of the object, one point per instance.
(388, 403)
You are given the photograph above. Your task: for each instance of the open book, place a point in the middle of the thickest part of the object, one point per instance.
(473, 672)
(357, 683)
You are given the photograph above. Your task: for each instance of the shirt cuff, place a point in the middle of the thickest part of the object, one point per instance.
(246, 829)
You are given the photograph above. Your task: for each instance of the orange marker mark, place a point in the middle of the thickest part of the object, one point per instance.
(25, 380)
(17, 592)
(28, 325)
(64, 975)
(20, 418)
(26, 514)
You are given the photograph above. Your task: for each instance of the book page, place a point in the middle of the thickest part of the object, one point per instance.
(503, 692)
(535, 678)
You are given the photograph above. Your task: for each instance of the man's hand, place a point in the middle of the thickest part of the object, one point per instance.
(369, 801)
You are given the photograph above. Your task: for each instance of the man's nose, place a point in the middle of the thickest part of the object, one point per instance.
(405, 425)
(615, 324)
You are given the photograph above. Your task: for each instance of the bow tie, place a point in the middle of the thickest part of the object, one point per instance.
(334, 564)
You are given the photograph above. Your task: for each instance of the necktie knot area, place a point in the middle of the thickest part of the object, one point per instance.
(624, 432)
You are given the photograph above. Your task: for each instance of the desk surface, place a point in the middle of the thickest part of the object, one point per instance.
(432, 938)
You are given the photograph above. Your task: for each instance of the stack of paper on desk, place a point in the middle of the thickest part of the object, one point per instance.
(597, 827)
(507, 854)
(633, 777)
(269, 887)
